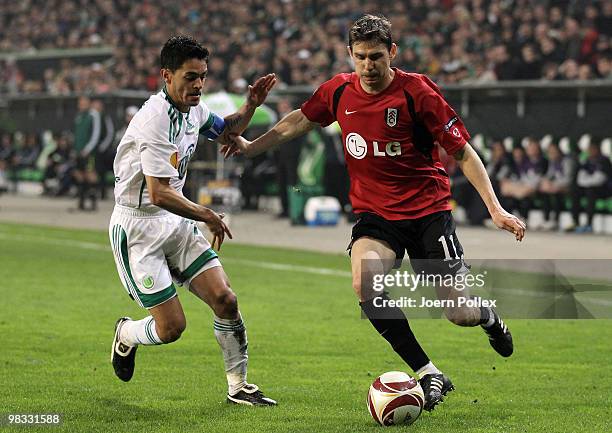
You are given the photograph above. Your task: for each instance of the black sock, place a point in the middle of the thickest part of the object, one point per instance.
(92, 194)
(82, 192)
(392, 325)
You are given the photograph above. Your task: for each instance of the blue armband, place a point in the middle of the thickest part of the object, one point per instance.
(213, 127)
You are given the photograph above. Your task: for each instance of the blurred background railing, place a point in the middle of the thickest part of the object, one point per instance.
(501, 109)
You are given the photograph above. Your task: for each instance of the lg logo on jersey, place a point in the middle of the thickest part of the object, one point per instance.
(357, 147)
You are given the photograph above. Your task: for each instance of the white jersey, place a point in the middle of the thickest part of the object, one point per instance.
(159, 142)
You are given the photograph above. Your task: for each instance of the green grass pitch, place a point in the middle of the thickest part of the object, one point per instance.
(309, 349)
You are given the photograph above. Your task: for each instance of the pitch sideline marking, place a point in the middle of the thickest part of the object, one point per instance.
(265, 265)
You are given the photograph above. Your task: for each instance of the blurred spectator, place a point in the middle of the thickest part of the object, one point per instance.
(87, 127)
(27, 153)
(105, 150)
(569, 70)
(585, 72)
(603, 67)
(604, 20)
(57, 179)
(505, 68)
(594, 181)
(287, 160)
(6, 160)
(530, 68)
(555, 185)
(26, 150)
(529, 168)
(550, 51)
(499, 166)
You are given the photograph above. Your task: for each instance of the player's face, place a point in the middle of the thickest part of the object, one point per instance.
(373, 63)
(185, 84)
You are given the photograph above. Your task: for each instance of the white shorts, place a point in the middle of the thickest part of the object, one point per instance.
(153, 248)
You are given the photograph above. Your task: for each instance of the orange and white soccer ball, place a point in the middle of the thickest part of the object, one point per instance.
(395, 398)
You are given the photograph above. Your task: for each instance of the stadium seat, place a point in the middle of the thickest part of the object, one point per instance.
(478, 142)
(545, 142)
(508, 143)
(583, 142)
(606, 147)
(565, 145)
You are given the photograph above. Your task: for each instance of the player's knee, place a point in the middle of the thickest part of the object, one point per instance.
(172, 330)
(226, 304)
(357, 285)
(363, 287)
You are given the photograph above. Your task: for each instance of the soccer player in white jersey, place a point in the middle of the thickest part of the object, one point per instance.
(152, 229)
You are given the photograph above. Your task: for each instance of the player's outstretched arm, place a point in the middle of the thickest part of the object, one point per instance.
(475, 172)
(166, 197)
(237, 122)
(289, 127)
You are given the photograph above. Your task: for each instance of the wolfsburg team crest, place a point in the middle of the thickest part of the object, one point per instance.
(148, 282)
(392, 116)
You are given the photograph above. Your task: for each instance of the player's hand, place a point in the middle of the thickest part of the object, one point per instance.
(237, 145)
(217, 227)
(258, 92)
(506, 221)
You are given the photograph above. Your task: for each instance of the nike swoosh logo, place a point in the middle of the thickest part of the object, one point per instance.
(454, 265)
(349, 112)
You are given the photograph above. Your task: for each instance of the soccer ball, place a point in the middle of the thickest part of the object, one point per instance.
(395, 398)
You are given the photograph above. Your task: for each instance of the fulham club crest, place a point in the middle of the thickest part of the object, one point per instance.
(391, 117)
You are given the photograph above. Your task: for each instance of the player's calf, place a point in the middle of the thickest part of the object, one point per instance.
(393, 326)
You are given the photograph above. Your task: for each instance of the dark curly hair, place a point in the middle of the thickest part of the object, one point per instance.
(178, 49)
(371, 28)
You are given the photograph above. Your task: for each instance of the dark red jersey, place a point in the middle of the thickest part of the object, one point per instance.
(390, 142)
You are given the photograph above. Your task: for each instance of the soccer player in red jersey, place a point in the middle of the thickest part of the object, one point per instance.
(392, 124)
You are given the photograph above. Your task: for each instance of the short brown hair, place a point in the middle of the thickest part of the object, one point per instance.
(371, 28)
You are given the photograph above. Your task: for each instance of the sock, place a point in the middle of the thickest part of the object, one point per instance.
(135, 332)
(392, 325)
(232, 338)
(82, 191)
(487, 318)
(430, 368)
(92, 193)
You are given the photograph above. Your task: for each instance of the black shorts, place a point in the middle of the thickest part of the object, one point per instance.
(431, 238)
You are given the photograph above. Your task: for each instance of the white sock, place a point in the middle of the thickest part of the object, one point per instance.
(428, 368)
(135, 332)
(232, 338)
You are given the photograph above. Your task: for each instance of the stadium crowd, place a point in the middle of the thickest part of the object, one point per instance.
(303, 40)
(77, 162)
